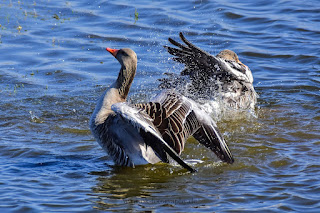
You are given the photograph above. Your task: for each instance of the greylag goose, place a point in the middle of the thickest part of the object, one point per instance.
(146, 132)
(222, 76)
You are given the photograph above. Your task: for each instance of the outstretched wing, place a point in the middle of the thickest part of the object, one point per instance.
(198, 63)
(177, 118)
(143, 123)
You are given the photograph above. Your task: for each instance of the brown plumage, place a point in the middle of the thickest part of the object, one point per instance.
(180, 118)
(147, 132)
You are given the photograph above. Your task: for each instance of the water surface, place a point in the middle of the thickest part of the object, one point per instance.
(53, 67)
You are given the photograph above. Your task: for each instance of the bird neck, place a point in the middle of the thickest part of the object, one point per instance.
(125, 79)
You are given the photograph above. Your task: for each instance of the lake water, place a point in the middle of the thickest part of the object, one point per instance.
(53, 67)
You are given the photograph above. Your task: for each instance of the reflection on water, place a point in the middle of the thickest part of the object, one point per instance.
(148, 187)
(53, 67)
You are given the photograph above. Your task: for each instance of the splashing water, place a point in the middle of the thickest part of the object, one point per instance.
(34, 118)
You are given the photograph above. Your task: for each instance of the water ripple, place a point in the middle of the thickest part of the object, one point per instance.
(54, 65)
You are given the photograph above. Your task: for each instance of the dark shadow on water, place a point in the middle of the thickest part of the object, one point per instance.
(126, 182)
(121, 185)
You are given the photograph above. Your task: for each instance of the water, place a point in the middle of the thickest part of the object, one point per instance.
(53, 67)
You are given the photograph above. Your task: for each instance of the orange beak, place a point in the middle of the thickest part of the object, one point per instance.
(112, 51)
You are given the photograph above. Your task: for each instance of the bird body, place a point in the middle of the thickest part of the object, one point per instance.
(206, 77)
(150, 132)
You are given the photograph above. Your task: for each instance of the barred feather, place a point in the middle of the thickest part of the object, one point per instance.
(147, 132)
(184, 118)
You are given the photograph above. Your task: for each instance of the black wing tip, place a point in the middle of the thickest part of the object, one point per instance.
(230, 160)
(226, 156)
(171, 40)
(177, 158)
(181, 35)
(185, 40)
(190, 169)
(193, 170)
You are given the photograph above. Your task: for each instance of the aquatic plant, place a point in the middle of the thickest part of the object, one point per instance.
(19, 28)
(136, 15)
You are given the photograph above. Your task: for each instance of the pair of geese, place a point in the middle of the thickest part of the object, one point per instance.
(150, 132)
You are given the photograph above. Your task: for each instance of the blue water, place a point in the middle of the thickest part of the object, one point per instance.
(53, 67)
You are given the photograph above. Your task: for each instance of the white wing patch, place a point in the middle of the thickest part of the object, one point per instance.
(135, 117)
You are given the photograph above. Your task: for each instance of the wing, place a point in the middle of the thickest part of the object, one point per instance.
(173, 117)
(198, 63)
(177, 118)
(209, 135)
(143, 123)
(110, 142)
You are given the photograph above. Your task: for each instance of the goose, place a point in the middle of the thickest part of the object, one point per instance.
(222, 76)
(142, 133)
